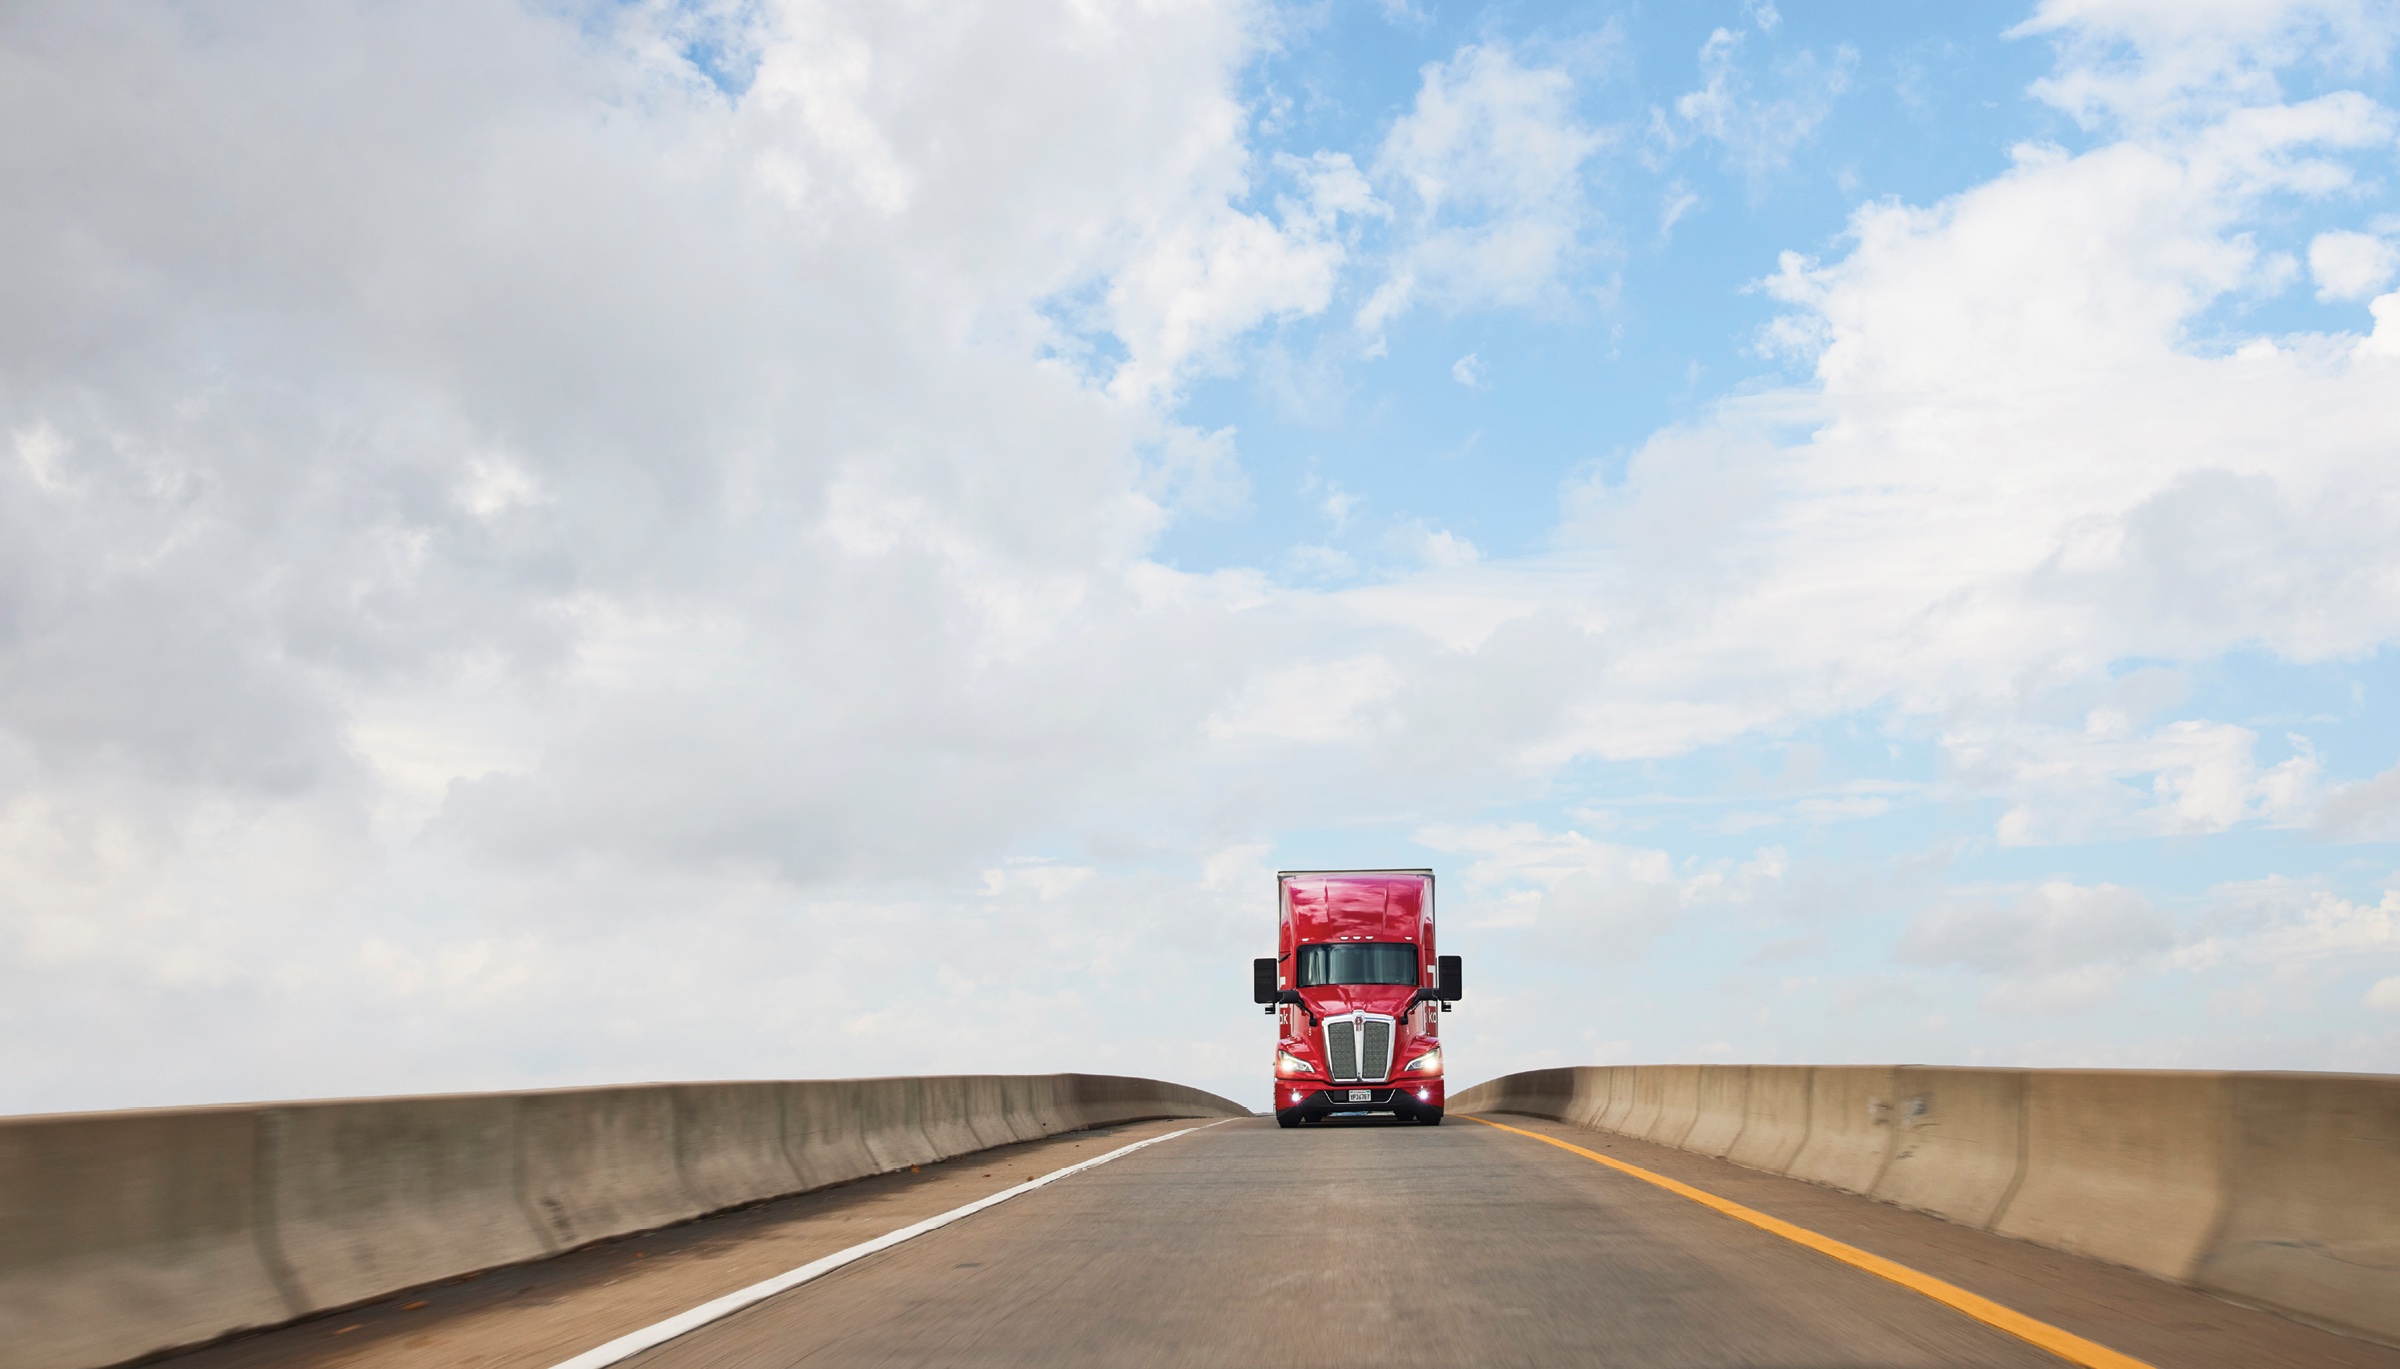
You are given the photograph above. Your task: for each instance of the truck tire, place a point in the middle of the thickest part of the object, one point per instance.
(1431, 1117)
(1288, 1117)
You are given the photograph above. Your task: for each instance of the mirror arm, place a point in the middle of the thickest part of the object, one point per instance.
(1292, 996)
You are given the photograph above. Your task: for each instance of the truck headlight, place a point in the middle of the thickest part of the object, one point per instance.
(1428, 1063)
(1287, 1063)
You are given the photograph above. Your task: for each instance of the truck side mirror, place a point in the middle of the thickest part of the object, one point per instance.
(1262, 981)
(1446, 976)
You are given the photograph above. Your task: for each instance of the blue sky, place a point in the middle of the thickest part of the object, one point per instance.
(552, 544)
(1660, 316)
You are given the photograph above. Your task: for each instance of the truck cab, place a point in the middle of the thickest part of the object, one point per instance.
(1357, 991)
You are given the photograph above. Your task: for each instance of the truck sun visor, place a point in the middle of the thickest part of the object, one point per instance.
(1358, 962)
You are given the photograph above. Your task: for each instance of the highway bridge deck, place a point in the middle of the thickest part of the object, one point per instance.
(1245, 1244)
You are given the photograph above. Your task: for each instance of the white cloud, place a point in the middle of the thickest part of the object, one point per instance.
(1589, 898)
(2385, 995)
(813, 86)
(42, 450)
(1468, 371)
(465, 973)
(2056, 947)
(1459, 609)
(1316, 701)
(2055, 925)
(2150, 62)
(494, 483)
(1199, 471)
(2351, 265)
(1487, 176)
(1337, 504)
(1436, 547)
(1315, 561)
(2013, 470)
(1191, 290)
(1756, 130)
(2276, 922)
(2106, 780)
(2366, 810)
(1844, 809)
(1679, 201)
(505, 501)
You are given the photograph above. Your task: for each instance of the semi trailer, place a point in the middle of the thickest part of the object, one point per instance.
(1357, 991)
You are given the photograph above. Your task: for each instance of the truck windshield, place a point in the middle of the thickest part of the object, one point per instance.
(1358, 962)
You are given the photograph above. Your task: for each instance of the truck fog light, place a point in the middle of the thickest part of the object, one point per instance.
(1424, 1095)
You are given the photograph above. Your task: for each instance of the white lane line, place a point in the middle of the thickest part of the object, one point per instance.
(659, 1333)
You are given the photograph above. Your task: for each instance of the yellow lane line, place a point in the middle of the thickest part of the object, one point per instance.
(2065, 1344)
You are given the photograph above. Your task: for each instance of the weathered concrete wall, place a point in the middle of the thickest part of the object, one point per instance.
(126, 1233)
(2280, 1190)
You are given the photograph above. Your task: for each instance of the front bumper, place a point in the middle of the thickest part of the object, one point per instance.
(1314, 1100)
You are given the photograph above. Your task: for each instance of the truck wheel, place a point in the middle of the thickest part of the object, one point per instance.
(1431, 1117)
(1289, 1117)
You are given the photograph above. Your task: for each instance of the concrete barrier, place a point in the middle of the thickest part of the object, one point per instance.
(1616, 1102)
(2279, 1190)
(1678, 1104)
(1957, 1144)
(945, 1113)
(1720, 1112)
(601, 1163)
(380, 1195)
(1649, 1091)
(2314, 1223)
(729, 1143)
(1550, 1092)
(824, 1133)
(124, 1234)
(1774, 1117)
(1052, 1106)
(1849, 1127)
(2122, 1165)
(147, 1218)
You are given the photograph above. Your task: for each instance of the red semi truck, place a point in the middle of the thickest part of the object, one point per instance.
(1357, 992)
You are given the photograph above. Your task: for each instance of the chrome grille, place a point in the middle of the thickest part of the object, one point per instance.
(1358, 1048)
(1375, 1051)
(1341, 1049)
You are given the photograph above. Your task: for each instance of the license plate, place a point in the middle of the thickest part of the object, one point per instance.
(1362, 1095)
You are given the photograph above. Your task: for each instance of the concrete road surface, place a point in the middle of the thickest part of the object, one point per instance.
(1244, 1244)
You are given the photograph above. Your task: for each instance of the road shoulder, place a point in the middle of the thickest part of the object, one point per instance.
(2127, 1311)
(536, 1315)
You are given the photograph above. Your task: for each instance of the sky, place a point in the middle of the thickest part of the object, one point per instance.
(548, 542)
